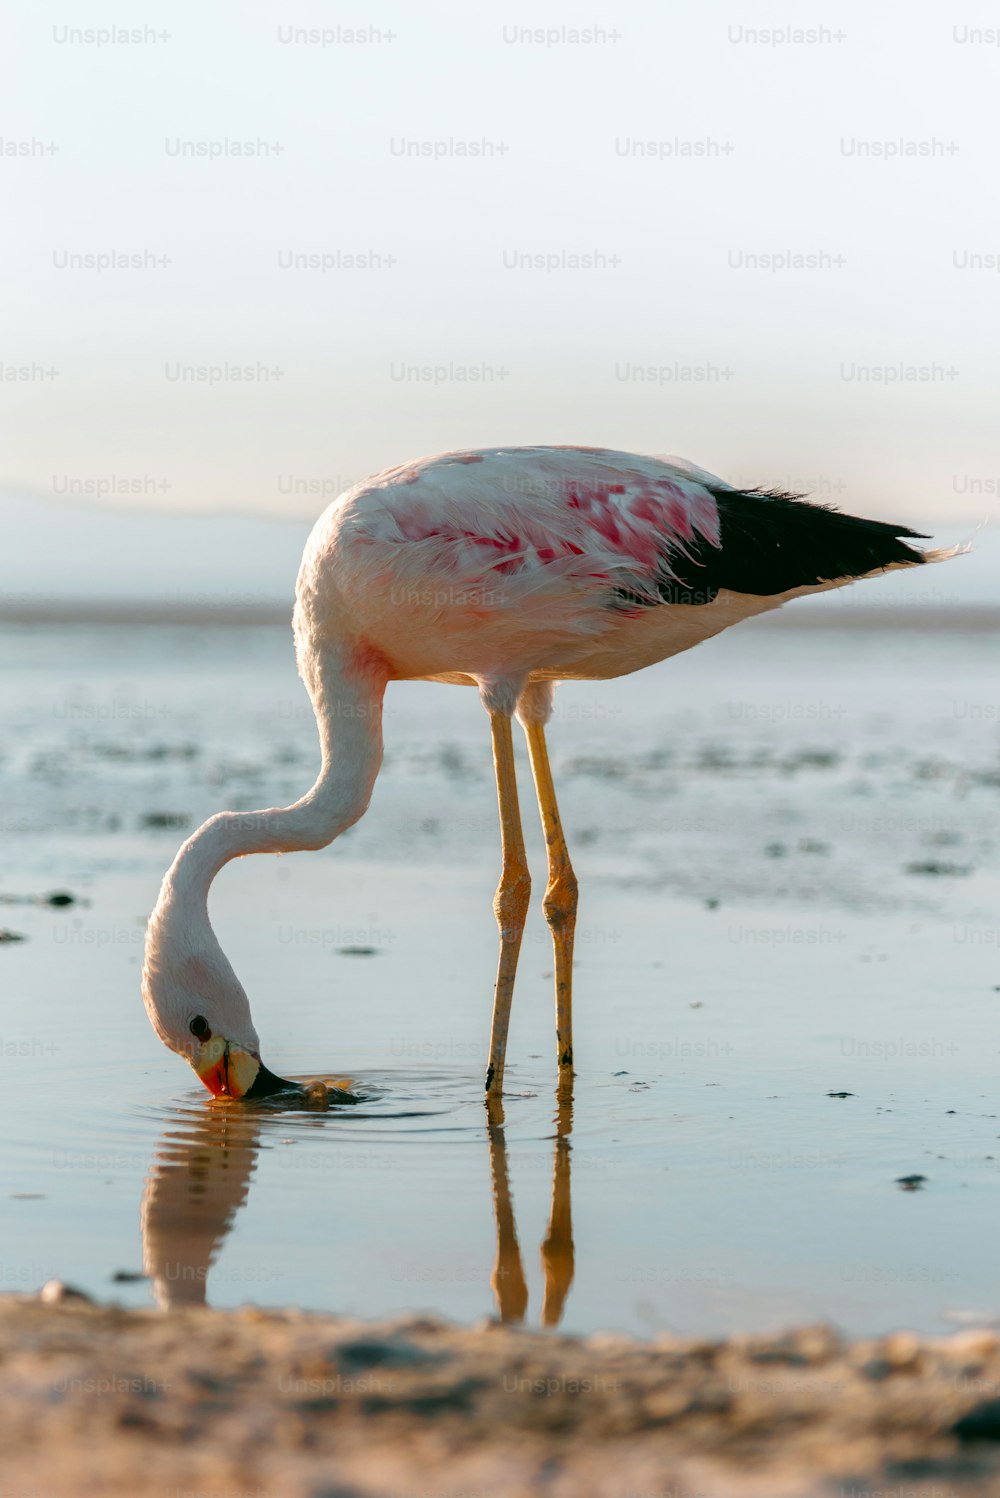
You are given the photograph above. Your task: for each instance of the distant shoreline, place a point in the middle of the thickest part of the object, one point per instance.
(134, 611)
(970, 617)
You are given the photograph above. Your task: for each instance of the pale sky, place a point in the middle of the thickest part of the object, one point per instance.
(671, 148)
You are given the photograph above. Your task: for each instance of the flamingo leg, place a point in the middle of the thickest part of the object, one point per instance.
(510, 905)
(560, 900)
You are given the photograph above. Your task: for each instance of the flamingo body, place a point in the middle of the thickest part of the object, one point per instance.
(550, 563)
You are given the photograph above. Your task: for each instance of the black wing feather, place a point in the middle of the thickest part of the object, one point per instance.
(771, 542)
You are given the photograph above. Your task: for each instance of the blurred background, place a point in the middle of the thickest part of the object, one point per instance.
(253, 255)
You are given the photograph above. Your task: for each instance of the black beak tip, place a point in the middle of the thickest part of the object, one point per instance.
(266, 1084)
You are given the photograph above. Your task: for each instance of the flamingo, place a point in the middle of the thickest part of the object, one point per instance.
(508, 569)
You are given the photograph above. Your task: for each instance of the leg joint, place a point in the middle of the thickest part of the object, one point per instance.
(560, 900)
(510, 903)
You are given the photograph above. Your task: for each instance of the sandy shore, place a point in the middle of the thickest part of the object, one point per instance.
(283, 1404)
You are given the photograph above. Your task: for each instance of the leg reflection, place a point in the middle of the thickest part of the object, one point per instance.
(508, 1283)
(507, 1280)
(557, 1247)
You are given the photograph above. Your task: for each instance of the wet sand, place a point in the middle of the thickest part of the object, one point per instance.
(290, 1405)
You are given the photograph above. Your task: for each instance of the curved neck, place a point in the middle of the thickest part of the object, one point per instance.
(347, 701)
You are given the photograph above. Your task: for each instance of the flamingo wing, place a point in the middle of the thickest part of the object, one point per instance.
(581, 535)
(576, 533)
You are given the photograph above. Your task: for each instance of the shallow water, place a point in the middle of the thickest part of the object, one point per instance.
(787, 846)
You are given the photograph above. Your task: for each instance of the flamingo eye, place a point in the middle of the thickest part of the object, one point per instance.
(199, 1027)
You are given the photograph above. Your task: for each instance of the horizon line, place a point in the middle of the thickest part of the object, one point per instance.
(245, 612)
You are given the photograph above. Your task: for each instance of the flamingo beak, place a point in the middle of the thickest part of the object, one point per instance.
(228, 1070)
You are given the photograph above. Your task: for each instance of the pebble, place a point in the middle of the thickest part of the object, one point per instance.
(55, 1291)
(901, 1349)
(975, 1343)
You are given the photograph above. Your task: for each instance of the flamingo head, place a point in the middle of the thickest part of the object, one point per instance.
(197, 1006)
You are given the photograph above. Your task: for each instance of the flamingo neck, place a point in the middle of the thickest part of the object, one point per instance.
(348, 706)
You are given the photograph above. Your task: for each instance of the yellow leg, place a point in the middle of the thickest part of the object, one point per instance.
(513, 892)
(557, 1247)
(560, 897)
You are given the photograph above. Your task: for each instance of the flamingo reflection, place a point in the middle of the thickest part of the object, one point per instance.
(201, 1176)
(199, 1180)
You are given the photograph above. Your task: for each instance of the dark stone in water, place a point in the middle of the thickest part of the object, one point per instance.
(911, 1183)
(58, 898)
